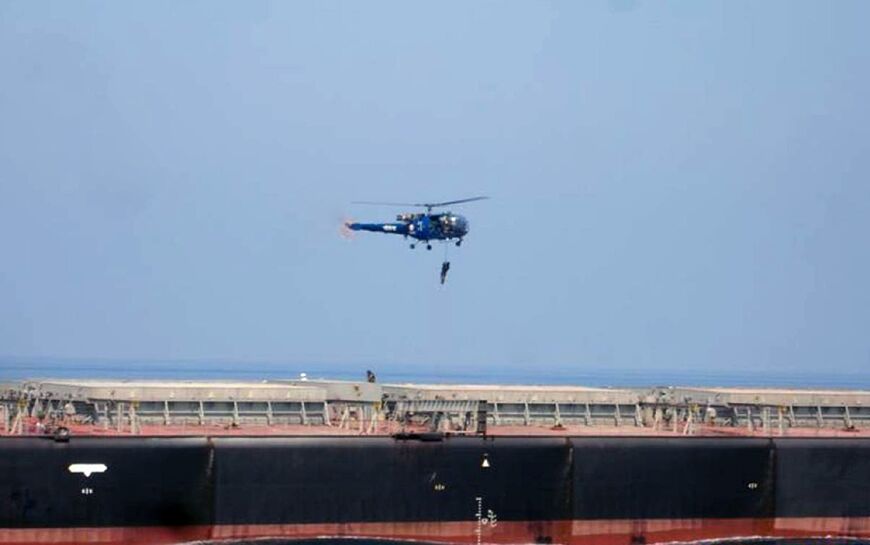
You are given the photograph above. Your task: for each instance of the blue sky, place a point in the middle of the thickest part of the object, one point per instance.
(681, 185)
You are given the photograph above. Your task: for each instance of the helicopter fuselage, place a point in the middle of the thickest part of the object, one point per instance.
(424, 227)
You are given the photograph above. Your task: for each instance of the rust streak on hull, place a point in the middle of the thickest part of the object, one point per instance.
(577, 532)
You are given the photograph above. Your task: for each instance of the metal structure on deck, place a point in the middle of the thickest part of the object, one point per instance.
(124, 406)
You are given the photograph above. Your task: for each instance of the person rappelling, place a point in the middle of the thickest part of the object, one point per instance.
(444, 268)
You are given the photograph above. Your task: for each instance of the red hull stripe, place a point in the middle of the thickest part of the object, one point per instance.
(577, 532)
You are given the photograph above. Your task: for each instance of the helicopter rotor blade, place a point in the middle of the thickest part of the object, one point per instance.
(445, 203)
(420, 204)
(377, 203)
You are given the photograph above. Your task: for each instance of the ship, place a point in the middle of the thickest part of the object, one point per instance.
(169, 462)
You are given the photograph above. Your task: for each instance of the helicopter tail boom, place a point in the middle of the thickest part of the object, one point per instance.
(390, 228)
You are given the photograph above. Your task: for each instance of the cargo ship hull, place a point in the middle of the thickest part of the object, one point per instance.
(570, 490)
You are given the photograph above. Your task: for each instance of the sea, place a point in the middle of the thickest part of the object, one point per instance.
(12, 369)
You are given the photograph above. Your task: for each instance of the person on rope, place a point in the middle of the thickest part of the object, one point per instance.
(444, 268)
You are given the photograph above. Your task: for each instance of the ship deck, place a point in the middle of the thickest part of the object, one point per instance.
(295, 407)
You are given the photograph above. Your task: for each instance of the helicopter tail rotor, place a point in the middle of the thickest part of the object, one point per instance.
(344, 229)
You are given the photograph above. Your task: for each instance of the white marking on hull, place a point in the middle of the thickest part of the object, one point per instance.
(87, 469)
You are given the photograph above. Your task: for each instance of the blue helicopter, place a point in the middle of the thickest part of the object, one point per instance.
(421, 226)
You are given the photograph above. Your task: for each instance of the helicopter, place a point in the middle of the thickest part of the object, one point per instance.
(421, 226)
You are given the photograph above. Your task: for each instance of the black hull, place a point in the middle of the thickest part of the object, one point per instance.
(534, 490)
